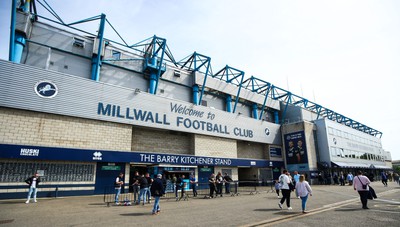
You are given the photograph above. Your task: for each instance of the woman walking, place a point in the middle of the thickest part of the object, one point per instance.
(360, 183)
(303, 189)
(285, 181)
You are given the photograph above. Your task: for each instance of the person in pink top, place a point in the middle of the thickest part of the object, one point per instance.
(360, 183)
(303, 189)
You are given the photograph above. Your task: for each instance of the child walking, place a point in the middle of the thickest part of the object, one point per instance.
(277, 187)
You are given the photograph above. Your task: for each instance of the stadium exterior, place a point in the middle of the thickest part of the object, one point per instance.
(79, 113)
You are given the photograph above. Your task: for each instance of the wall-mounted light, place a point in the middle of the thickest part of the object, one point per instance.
(177, 73)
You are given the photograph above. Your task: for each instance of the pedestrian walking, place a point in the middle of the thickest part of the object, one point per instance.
(119, 181)
(303, 189)
(157, 190)
(360, 183)
(33, 183)
(285, 180)
(384, 179)
(296, 178)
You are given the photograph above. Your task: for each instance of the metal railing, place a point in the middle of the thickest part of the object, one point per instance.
(235, 188)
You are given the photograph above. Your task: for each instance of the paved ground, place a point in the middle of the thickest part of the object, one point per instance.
(329, 206)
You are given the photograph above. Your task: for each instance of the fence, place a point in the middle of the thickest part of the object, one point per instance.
(234, 188)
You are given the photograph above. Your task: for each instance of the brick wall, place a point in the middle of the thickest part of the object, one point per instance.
(251, 150)
(214, 146)
(42, 129)
(159, 141)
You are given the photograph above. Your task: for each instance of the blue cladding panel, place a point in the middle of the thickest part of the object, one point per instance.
(71, 154)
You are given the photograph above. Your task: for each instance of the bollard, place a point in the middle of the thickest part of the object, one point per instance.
(56, 194)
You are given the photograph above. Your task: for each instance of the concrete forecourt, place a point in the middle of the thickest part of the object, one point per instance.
(329, 206)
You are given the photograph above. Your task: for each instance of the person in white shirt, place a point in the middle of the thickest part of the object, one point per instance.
(284, 180)
(303, 189)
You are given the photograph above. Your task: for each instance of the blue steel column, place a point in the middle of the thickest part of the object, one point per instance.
(153, 75)
(228, 101)
(255, 110)
(276, 116)
(17, 39)
(96, 59)
(12, 30)
(19, 46)
(159, 65)
(205, 79)
(196, 94)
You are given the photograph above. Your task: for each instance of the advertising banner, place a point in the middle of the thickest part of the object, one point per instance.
(296, 151)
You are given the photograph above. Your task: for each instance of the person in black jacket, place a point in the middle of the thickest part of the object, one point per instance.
(157, 190)
(33, 183)
(144, 187)
(227, 181)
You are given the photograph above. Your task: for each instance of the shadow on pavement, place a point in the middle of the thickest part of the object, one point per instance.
(97, 204)
(347, 209)
(12, 202)
(268, 209)
(137, 214)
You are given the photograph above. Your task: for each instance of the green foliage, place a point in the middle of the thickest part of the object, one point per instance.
(396, 169)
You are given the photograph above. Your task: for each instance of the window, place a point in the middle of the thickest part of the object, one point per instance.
(116, 55)
(80, 43)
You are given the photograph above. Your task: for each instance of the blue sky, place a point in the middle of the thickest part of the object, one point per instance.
(343, 55)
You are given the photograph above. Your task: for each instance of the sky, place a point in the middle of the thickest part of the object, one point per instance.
(343, 55)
